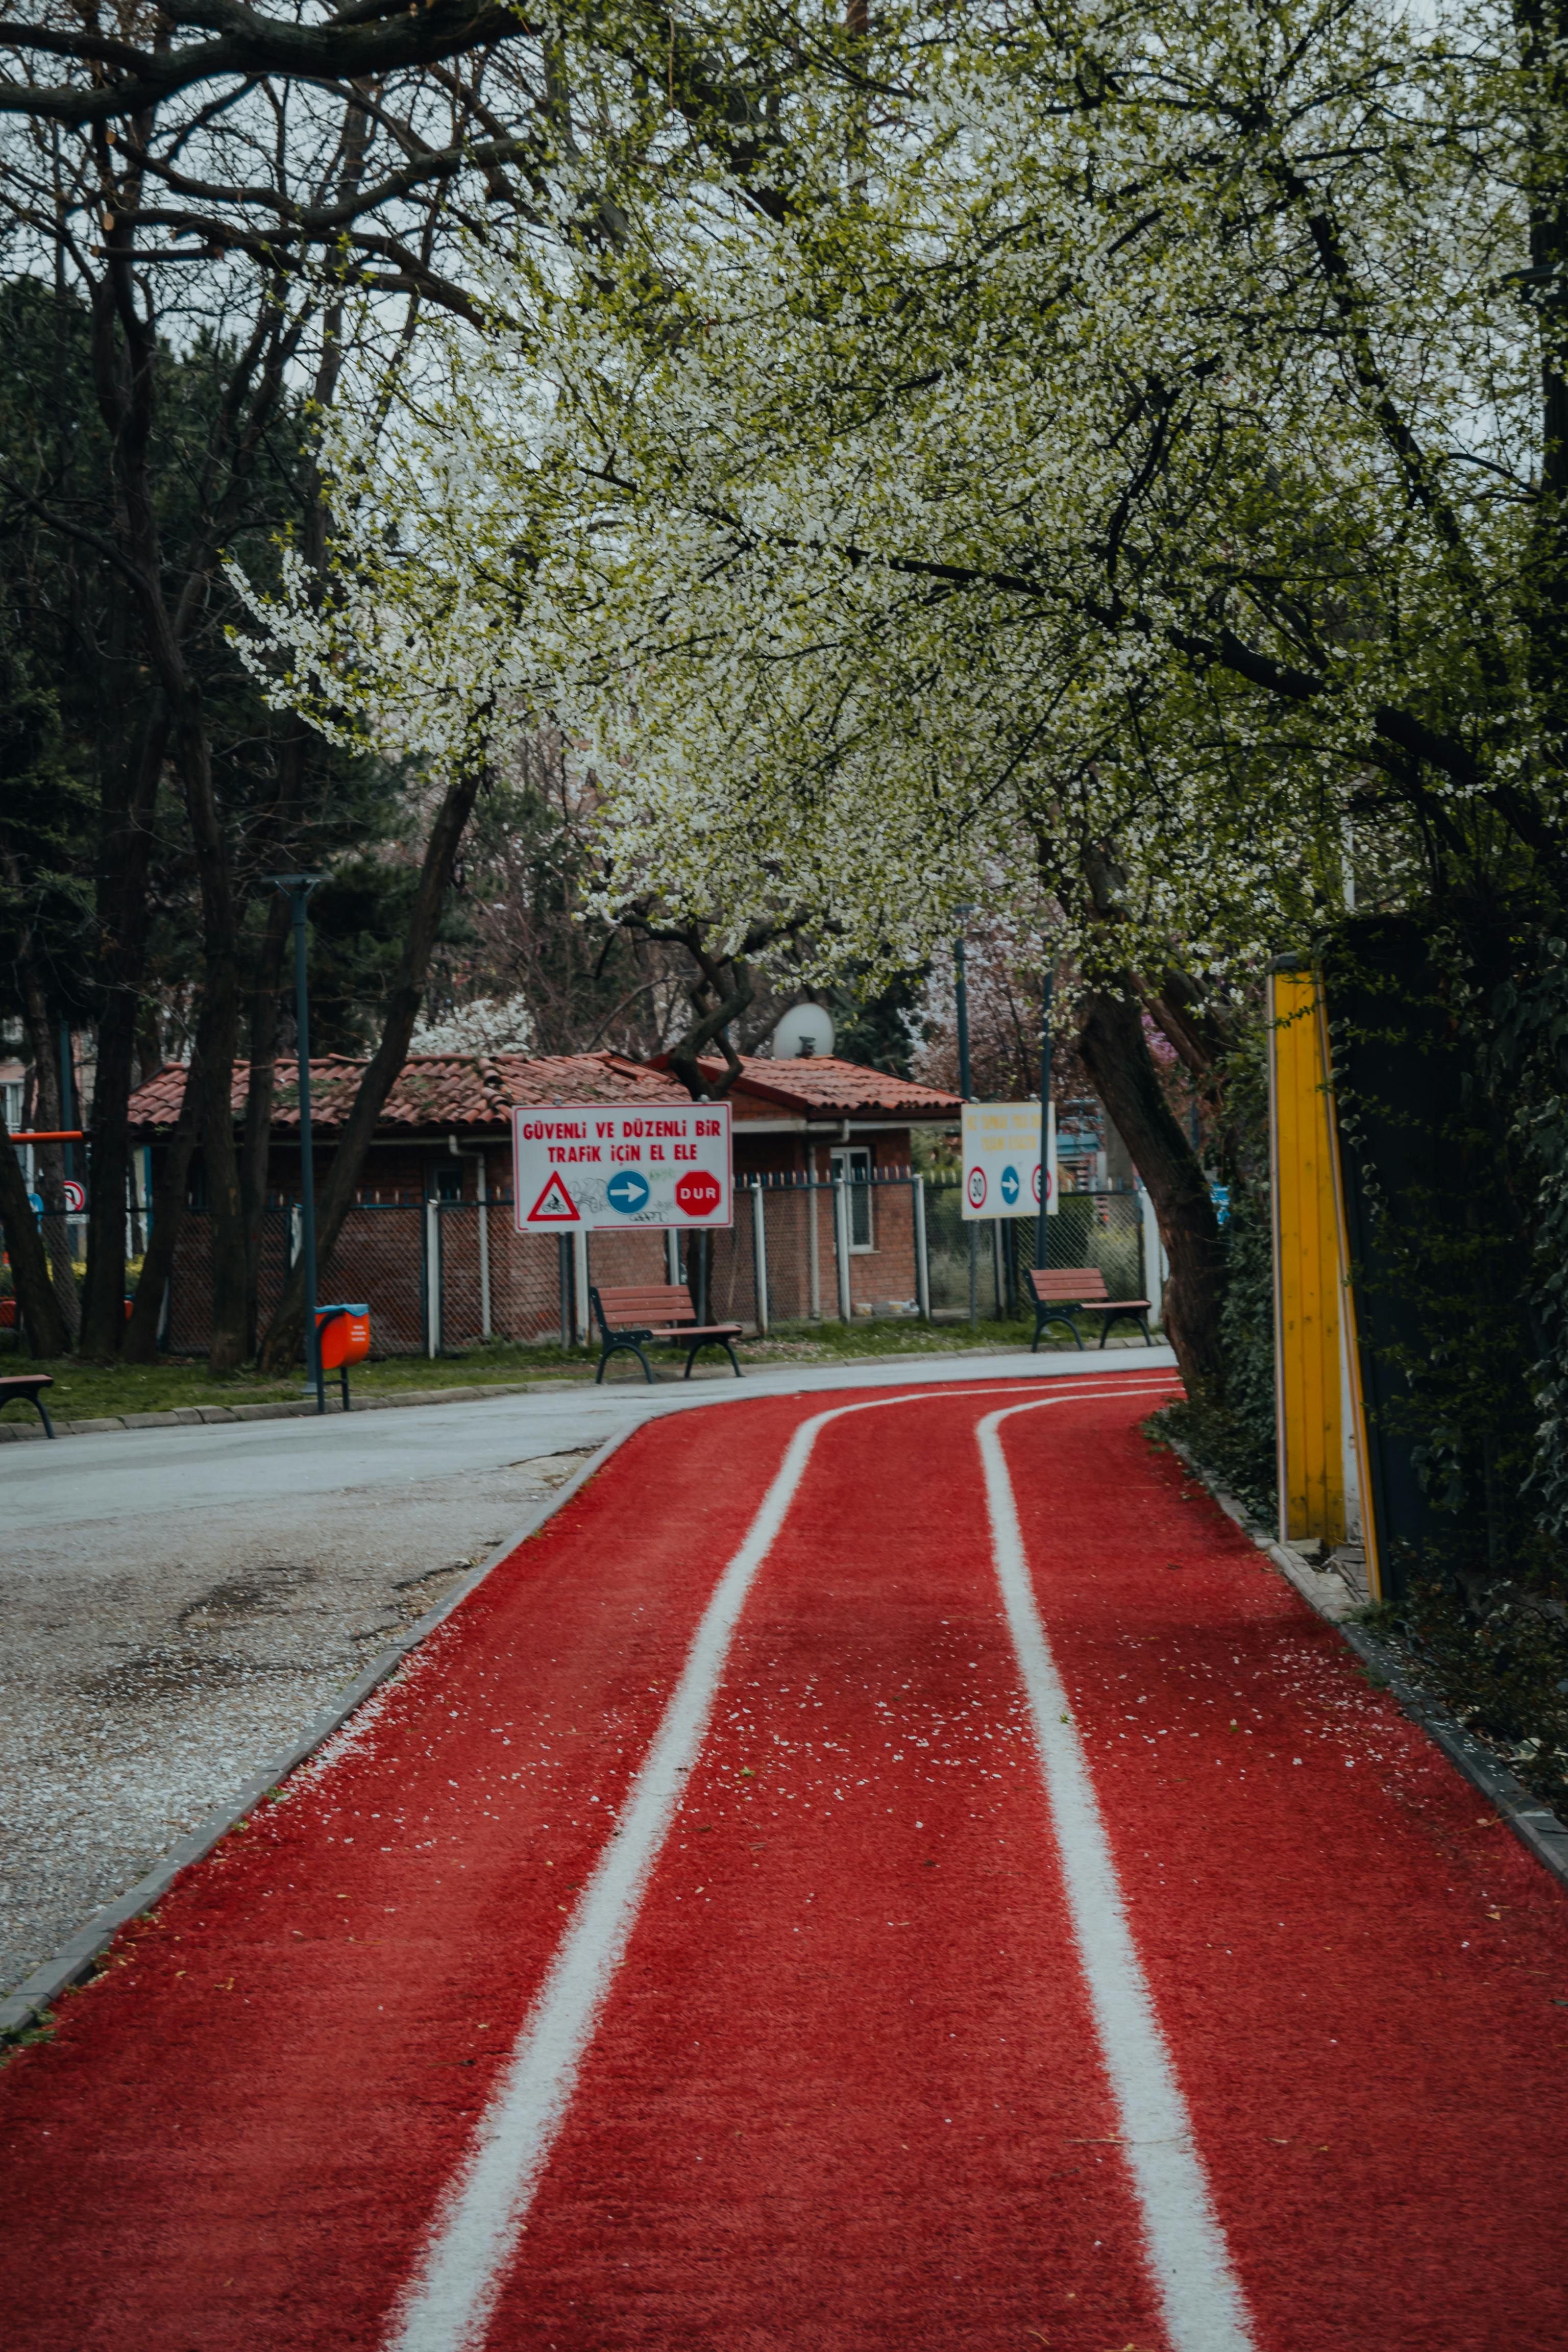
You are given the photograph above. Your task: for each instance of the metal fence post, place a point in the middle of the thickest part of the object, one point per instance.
(813, 1248)
(922, 1253)
(759, 1257)
(484, 1251)
(1149, 1252)
(841, 1243)
(432, 1278)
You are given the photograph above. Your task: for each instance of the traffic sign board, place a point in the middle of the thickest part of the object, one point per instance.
(1001, 1160)
(599, 1166)
(554, 1205)
(698, 1192)
(76, 1196)
(627, 1191)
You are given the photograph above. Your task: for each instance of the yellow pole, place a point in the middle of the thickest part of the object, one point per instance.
(1352, 1340)
(1308, 1276)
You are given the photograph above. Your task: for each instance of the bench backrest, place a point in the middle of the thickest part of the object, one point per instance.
(637, 1305)
(1068, 1286)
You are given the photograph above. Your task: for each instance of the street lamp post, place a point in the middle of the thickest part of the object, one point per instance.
(299, 887)
(1048, 992)
(961, 988)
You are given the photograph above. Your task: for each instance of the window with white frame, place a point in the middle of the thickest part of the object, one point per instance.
(852, 1168)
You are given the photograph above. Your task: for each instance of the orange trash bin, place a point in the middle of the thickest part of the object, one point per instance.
(342, 1334)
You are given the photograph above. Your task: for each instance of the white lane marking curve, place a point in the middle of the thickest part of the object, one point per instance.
(448, 2301)
(1204, 2309)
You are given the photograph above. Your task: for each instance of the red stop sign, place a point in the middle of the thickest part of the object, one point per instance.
(698, 1193)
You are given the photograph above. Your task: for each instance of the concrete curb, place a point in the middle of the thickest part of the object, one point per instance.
(194, 1416)
(75, 1962)
(1532, 1822)
(191, 1416)
(1536, 1827)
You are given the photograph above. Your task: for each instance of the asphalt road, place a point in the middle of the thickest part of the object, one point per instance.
(125, 1474)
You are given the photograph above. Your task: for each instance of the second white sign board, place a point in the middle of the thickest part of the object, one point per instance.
(1001, 1160)
(596, 1168)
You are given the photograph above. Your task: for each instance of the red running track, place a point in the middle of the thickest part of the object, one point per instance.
(849, 2086)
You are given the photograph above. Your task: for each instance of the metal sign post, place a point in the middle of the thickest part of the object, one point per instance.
(1048, 1156)
(960, 989)
(299, 887)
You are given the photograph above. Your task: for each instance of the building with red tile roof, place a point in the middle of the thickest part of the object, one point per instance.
(443, 1143)
(432, 1093)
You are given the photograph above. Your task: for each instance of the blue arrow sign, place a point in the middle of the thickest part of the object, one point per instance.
(628, 1192)
(1009, 1183)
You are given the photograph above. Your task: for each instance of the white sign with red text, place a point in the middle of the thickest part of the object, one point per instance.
(597, 1167)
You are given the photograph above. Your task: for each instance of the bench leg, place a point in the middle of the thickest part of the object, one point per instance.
(1043, 1320)
(692, 1354)
(44, 1416)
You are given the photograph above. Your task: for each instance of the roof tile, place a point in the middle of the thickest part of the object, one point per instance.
(432, 1091)
(820, 1083)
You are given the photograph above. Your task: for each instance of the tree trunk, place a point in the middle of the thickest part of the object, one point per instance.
(220, 1035)
(256, 1141)
(167, 1215)
(286, 1337)
(48, 1158)
(1122, 1068)
(125, 857)
(125, 362)
(25, 1248)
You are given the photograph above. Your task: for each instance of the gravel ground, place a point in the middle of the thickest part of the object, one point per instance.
(151, 1664)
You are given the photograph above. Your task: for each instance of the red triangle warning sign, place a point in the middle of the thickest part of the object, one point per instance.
(554, 1205)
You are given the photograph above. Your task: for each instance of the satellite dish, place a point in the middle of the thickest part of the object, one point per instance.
(804, 1031)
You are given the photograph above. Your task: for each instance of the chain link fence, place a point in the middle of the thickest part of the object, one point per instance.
(443, 1275)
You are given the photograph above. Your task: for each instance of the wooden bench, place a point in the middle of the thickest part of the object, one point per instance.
(1062, 1291)
(27, 1388)
(657, 1310)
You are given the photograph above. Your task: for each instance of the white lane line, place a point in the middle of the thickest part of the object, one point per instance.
(447, 2304)
(1204, 2309)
